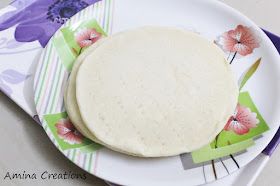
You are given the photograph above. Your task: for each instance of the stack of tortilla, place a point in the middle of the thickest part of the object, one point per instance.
(151, 92)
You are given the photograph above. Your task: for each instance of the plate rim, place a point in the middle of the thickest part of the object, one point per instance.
(220, 5)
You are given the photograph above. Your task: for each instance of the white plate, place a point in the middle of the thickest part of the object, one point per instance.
(210, 19)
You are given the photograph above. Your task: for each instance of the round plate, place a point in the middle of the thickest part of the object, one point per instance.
(214, 21)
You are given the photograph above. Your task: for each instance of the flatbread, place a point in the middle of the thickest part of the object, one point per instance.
(70, 94)
(156, 91)
(70, 101)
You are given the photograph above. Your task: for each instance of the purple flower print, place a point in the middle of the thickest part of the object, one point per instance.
(10, 76)
(18, 6)
(21, 3)
(40, 20)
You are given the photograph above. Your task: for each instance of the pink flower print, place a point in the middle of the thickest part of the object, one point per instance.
(87, 37)
(242, 120)
(242, 40)
(67, 132)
